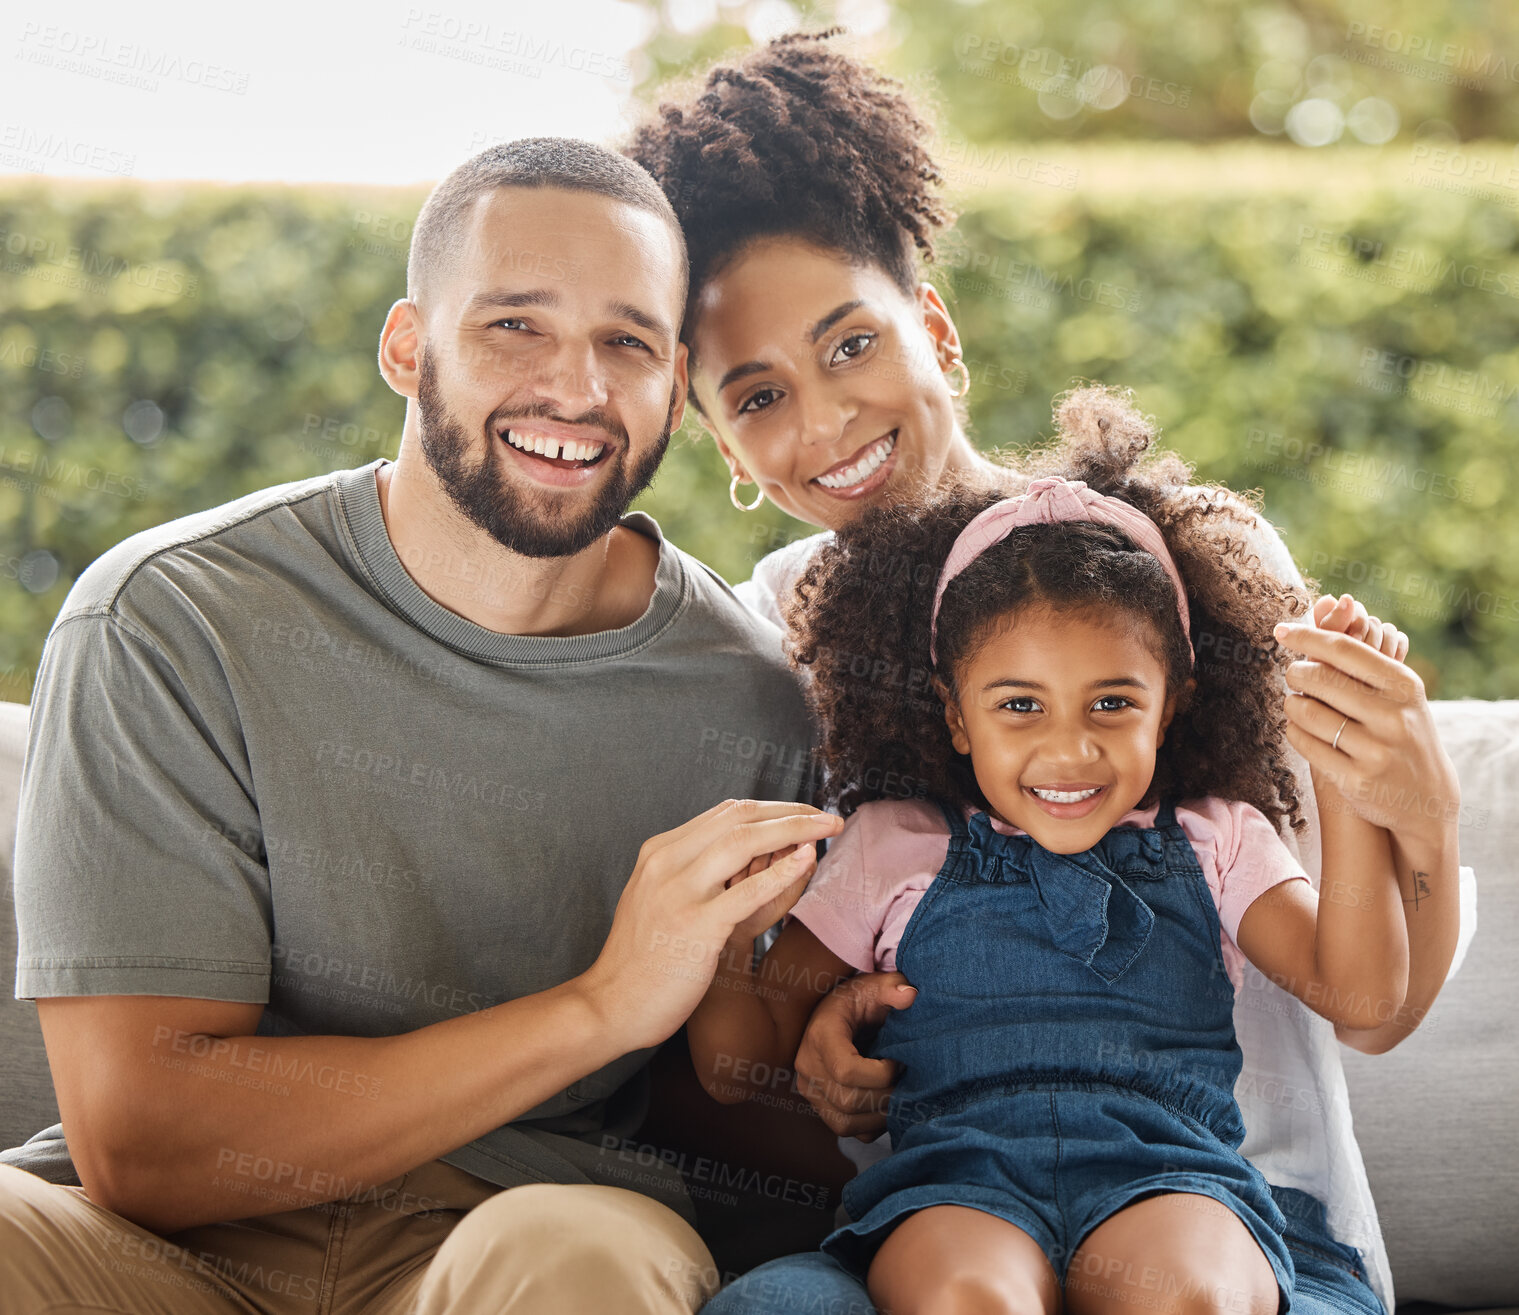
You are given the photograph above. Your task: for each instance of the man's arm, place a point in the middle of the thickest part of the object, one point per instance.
(168, 1129)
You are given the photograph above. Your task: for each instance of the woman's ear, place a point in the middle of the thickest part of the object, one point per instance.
(952, 718)
(735, 466)
(937, 320)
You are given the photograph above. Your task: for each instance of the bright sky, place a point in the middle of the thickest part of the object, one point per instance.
(320, 90)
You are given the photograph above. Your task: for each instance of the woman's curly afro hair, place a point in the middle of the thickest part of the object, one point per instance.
(797, 139)
(861, 610)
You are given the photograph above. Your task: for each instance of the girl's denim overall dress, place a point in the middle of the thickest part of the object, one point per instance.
(1070, 1049)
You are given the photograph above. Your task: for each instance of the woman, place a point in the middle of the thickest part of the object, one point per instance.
(828, 374)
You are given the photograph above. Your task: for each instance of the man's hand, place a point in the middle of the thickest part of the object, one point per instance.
(691, 888)
(850, 1092)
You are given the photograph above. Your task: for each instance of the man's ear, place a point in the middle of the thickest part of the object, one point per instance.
(682, 383)
(938, 322)
(401, 347)
(1170, 710)
(952, 717)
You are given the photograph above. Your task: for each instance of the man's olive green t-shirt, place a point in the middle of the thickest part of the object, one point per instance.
(263, 765)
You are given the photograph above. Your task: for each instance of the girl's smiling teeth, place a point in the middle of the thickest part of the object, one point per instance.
(847, 476)
(1064, 796)
(555, 449)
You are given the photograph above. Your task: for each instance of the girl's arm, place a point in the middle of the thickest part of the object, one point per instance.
(1343, 950)
(745, 1032)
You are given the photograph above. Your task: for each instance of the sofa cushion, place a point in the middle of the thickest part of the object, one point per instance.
(26, 1086)
(1435, 1118)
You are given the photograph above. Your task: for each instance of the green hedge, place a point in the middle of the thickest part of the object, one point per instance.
(1338, 331)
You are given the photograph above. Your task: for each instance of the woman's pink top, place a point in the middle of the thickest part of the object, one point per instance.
(876, 870)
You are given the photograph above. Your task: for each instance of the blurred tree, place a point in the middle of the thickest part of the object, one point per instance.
(1339, 70)
(1335, 326)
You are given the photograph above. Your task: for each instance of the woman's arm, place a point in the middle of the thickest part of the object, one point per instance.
(745, 1032)
(1390, 770)
(1398, 777)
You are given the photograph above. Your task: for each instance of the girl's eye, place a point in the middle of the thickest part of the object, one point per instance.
(1117, 700)
(754, 401)
(852, 347)
(1023, 703)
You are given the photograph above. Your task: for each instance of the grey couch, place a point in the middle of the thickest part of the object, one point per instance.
(1437, 1118)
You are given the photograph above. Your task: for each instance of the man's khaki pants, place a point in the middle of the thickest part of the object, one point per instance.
(431, 1241)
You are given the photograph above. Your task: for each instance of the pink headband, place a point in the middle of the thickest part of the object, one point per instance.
(1046, 502)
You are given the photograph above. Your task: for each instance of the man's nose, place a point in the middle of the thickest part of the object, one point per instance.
(572, 378)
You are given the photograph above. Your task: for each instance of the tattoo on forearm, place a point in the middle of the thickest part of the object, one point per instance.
(1421, 888)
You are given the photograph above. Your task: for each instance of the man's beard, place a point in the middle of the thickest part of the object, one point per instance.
(487, 497)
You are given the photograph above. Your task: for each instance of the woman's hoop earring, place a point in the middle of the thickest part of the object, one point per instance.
(957, 364)
(733, 495)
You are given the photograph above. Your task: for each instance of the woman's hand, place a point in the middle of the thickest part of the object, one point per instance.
(1388, 764)
(849, 1092)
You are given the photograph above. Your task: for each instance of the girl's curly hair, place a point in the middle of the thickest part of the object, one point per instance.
(861, 610)
(797, 139)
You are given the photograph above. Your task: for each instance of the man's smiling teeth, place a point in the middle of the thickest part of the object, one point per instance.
(552, 447)
(1064, 796)
(864, 468)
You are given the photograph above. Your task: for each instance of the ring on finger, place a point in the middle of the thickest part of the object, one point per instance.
(1335, 744)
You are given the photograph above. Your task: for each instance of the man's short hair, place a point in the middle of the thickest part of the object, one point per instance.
(437, 240)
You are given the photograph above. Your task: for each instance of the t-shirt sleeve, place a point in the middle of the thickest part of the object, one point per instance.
(1251, 858)
(139, 863)
(842, 905)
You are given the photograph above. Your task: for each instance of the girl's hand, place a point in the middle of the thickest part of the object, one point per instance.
(690, 889)
(771, 913)
(1349, 616)
(1388, 763)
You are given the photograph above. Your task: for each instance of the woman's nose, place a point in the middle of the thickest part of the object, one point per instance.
(822, 419)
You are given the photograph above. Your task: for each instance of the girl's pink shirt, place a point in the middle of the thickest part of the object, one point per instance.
(876, 870)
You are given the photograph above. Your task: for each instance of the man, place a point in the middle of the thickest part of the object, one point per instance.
(330, 805)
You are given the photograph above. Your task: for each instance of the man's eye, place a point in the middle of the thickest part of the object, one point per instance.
(628, 340)
(511, 321)
(755, 401)
(852, 346)
(1117, 700)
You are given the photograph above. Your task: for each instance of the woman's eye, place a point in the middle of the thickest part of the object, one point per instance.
(852, 346)
(757, 401)
(1117, 701)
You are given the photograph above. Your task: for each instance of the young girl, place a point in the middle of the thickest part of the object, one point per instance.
(1052, 721)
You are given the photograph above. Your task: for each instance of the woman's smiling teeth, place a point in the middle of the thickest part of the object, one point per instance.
(553, 448)
(864, 468)
(1064, 796)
